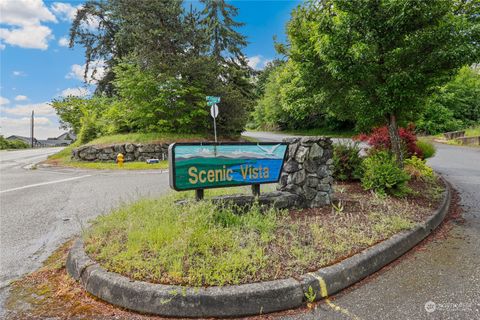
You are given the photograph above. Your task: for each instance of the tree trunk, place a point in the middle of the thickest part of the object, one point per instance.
(395, 142)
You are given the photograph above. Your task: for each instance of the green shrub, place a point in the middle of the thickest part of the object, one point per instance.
(15, 144)
(347, 161)
(428, 149)
(418, 169)
(90, 128)
(381, 174)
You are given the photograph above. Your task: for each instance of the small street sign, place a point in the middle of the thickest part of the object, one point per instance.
(211, 100)
(214, 111)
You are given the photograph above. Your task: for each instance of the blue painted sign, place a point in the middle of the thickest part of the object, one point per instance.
(210, 165)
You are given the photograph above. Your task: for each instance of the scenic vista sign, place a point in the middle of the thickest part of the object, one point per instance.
(210, 165)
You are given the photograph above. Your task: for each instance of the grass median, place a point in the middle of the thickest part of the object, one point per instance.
(204, 244)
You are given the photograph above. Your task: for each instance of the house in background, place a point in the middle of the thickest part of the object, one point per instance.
(62, 140)
(27, 140)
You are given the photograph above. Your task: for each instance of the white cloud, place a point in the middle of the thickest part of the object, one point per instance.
(43, 108)
(258, 62)
(254, 61)
(95, 73)
(44, 127)
(65, 11)
(42, 121)
(18, 73)
(76, 92)
(63, 42)
(25, 12)
(24, 18)
(2, 46)
(32, 37)
(3, 101)
(21, 98)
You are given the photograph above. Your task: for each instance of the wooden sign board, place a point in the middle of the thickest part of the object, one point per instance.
(214, 165)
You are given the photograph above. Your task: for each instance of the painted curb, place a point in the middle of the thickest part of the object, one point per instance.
(246, 299)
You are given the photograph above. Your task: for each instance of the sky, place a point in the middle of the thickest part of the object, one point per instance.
(37, 66)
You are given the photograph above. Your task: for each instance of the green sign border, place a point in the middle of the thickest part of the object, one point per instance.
(171, 161)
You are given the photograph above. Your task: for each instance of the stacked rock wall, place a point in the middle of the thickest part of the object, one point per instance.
(308, 170)
(131, 151)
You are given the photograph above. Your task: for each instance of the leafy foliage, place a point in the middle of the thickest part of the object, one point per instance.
(379, 139)
(455, 105)
(382, 174)
(347, 161)
(15, 144)
(375, 62)
(418, 169)
(161, 61)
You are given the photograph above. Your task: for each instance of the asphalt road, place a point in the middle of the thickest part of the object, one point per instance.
(443, 277)
(42, 208)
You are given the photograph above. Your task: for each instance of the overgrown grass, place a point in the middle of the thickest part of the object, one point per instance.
(203, 244)
(146, 138)
(65, 153)
(473, 131)
(323, 132)
(427, 148)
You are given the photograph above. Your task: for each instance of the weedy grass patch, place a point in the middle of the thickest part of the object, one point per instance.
(206, 244)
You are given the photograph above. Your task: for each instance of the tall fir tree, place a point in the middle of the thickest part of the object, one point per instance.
(225, 42)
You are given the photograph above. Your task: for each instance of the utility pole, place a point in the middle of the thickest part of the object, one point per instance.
(32, 122)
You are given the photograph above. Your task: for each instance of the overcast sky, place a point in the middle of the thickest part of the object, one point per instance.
(37, 65)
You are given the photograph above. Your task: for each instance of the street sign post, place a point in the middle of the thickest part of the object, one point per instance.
(214, 114)
(212, 103)
(211, 100)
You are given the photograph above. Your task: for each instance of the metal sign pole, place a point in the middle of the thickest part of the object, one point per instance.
(215, 128)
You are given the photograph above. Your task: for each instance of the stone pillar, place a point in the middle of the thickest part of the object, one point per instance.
(308, 169)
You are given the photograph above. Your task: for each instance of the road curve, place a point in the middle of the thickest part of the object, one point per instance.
(442, 281)
(42, 208)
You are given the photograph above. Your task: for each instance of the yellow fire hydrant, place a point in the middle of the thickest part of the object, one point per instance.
(120, 160)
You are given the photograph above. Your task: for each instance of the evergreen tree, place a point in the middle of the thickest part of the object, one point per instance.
(225, 42)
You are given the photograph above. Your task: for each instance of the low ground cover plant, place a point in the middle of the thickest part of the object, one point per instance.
(347, 161)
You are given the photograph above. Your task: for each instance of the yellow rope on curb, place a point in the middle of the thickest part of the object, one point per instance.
(324, 294)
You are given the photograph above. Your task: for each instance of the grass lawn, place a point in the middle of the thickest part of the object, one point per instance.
(472, 132)
(134, 165)
(63, 158)
(146, 138)
(203, 244)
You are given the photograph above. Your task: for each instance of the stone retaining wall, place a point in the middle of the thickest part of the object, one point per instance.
(131, 151)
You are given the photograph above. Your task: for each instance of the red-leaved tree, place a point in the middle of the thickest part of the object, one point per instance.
(379, 138)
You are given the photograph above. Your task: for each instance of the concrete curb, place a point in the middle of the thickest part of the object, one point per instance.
(246, 299)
